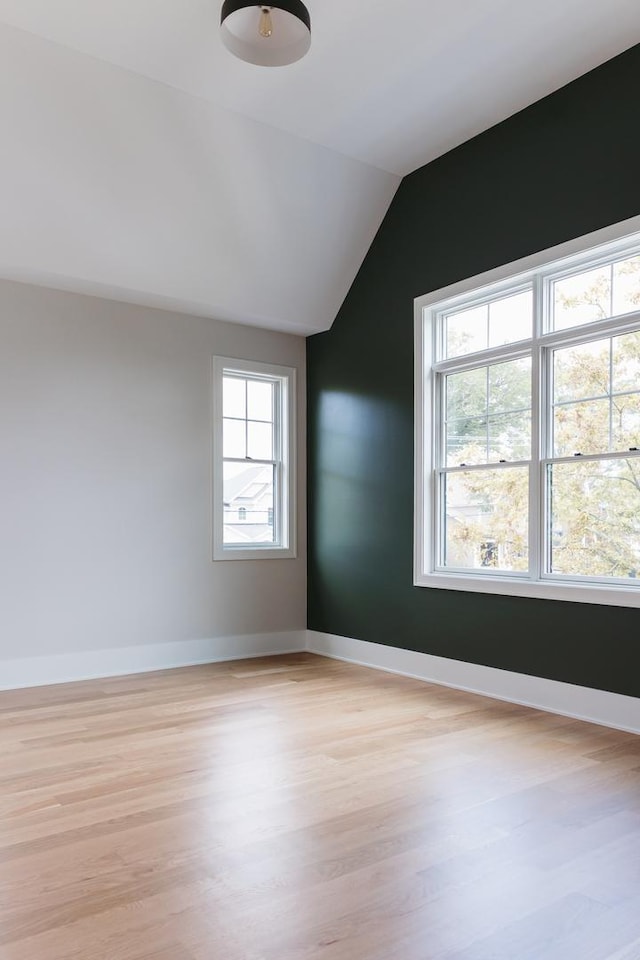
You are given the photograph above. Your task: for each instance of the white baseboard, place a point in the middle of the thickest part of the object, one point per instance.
(119, 661)
(581, 703)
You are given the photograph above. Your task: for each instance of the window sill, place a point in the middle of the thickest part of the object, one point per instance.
(539, 589)
(254, 553)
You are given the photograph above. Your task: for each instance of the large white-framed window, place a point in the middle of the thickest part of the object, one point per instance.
(528, 426)
(253, 460)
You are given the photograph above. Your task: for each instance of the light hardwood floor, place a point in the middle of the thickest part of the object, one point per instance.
(296, 808)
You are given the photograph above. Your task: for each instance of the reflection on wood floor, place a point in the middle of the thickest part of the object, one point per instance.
(296, 808)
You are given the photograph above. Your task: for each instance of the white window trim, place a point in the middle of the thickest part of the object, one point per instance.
(558, 258)
(287, 493)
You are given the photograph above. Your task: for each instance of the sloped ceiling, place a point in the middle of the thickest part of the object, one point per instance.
(113, 184)
(139, 160)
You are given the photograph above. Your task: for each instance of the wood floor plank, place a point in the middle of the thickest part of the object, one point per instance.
(296, 808)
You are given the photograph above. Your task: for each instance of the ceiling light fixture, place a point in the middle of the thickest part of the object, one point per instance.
(268, 35)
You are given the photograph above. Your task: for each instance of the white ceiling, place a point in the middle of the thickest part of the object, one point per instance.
(240, 192)
(115, 185)
(392, 84)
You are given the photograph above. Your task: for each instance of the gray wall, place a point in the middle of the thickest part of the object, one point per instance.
(105, 491)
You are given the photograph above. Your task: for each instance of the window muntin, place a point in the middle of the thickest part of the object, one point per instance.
(596, 396)
(513, 481)
(487, 413)
(248, 418)
(253, 447)
(609, 290)
(489, 324)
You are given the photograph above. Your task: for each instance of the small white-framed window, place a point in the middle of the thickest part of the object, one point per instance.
(253, 460)
(528, 426)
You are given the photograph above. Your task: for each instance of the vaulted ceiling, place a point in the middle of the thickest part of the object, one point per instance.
(141, 161)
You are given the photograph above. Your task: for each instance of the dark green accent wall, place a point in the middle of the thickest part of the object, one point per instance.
(566, 166)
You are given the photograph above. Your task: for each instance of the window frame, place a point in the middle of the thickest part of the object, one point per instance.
(538, 271)
(284, 503)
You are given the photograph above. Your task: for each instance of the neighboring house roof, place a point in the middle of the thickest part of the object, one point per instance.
(240, 484)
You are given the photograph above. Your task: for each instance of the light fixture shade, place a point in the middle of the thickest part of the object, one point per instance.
(290, 35)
